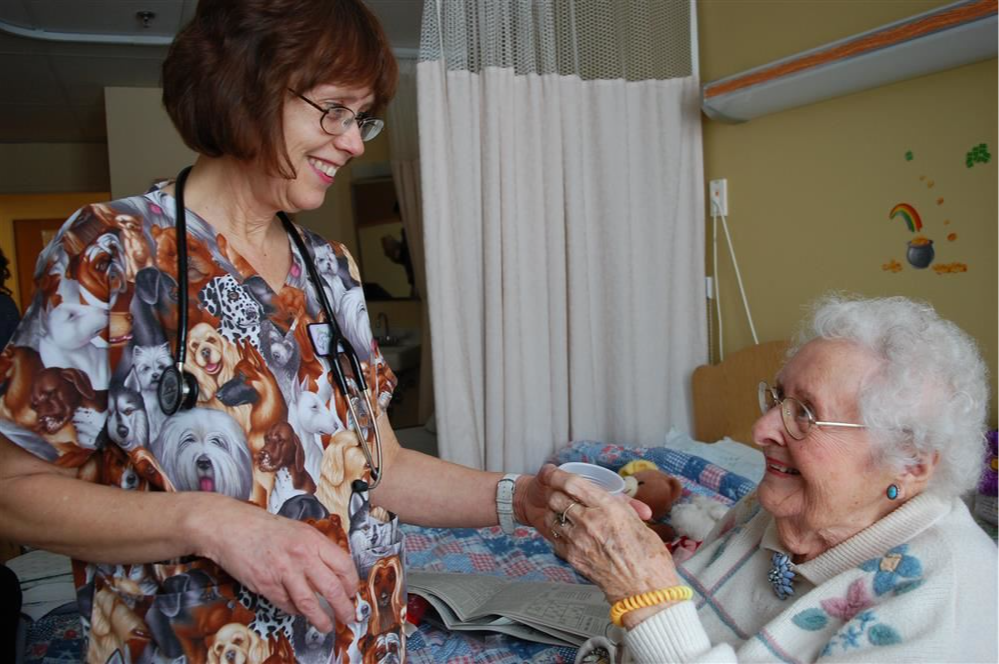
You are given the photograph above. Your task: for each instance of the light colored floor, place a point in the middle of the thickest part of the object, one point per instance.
(419, 439)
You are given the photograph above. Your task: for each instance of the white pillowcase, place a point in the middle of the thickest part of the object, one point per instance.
(731, 455)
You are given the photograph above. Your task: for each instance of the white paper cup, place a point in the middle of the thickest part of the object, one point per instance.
(605, 478)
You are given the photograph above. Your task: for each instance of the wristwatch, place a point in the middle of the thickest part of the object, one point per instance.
(504, 502)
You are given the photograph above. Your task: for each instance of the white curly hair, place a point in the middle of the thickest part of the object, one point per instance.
(929, 394)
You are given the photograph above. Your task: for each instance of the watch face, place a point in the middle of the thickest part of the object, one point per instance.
(168, 391)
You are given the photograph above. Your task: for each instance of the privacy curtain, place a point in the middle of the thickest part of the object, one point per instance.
(563, 217)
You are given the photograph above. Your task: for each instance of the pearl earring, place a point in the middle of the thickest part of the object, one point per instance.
(892, 492)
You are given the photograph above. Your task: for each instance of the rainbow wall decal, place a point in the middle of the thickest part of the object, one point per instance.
(909, 214)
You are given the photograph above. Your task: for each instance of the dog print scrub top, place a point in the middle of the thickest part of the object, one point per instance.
(78, 385)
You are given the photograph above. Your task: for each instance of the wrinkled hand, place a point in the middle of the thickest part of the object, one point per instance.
(286, 561)
(532, 497)
(604, 537)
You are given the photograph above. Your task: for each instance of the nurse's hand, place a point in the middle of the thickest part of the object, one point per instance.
(286, 561)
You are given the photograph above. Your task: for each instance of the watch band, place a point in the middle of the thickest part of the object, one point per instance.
(504, 502)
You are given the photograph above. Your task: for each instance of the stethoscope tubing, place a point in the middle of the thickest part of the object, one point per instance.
(337, 340)
(180, 225)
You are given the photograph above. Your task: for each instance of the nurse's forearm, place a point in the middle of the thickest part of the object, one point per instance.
(427, 491)
(44, 506)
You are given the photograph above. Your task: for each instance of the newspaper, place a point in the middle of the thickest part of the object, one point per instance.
(46, 582)
(559, 614)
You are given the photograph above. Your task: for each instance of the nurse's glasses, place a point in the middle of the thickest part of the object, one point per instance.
(337, 119)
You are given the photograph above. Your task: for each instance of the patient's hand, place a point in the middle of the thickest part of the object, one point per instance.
(532, 497)
(602, 537)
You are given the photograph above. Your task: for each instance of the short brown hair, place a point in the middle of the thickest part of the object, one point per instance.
(227, 73)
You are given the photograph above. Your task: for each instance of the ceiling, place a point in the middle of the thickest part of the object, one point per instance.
(52, 91)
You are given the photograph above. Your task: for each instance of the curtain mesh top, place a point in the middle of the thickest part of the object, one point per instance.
(593, 39)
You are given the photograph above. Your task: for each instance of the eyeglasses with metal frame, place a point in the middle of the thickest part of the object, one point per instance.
(798, 419)
(337, 119)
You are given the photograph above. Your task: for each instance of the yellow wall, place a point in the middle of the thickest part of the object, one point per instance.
(810, 189)
(36, 206)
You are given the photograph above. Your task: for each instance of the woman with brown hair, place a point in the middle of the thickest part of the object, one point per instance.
(225, 495)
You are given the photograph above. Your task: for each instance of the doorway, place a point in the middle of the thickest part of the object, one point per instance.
(30, 237)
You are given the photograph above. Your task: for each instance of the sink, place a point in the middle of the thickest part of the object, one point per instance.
(401, 356)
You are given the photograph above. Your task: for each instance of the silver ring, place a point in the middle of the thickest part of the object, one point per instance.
(563, 518)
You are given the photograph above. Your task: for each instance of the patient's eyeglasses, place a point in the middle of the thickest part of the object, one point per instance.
(796, 416)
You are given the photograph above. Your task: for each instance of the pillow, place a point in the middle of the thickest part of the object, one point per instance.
(731, 455)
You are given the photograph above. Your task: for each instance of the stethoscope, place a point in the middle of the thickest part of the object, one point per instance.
(178, 389)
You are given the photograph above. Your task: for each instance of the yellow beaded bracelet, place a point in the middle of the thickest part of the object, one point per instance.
(651, 598)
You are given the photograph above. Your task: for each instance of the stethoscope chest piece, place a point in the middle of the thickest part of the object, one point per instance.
(178, 390)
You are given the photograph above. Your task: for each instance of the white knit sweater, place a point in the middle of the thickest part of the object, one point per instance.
(920, 585)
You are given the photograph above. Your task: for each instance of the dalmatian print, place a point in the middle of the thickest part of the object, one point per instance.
(239, 312)
(269, 620)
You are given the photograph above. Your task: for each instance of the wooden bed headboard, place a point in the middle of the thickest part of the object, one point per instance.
(725, 401)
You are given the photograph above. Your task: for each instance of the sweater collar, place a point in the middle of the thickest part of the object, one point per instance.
(901, 525)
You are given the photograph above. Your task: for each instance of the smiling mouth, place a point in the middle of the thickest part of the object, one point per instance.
(773, 465)
(323, 167)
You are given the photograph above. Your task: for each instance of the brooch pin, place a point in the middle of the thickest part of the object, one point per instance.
(781, 576)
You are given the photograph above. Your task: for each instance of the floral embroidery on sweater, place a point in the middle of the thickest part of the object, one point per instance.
(894, 572)
(894, 566)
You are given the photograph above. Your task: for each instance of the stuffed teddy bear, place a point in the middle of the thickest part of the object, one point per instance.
(645, 482)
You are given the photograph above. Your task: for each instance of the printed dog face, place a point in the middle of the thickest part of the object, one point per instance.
(278, 348)
(128, 424)
(149, 363)
(212, 352)
(100, 270)
(281, 449)
(205, 450)
(311, 645)
(18, 367)
(383, 649)
(383, 580)
(237, 644)
(55, 396)
(200, 265)
(325, 260)
(72, 326)
(205, 348)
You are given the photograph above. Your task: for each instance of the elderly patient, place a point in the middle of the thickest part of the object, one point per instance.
(856, 545)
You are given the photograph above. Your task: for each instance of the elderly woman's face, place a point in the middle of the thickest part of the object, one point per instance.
(827, 481)
(315, 155)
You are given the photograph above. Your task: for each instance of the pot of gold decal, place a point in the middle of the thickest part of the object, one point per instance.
(921, 252)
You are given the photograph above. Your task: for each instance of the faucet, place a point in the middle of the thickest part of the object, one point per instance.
(382, 323)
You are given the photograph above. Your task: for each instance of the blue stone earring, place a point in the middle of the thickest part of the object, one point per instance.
(892, 492)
